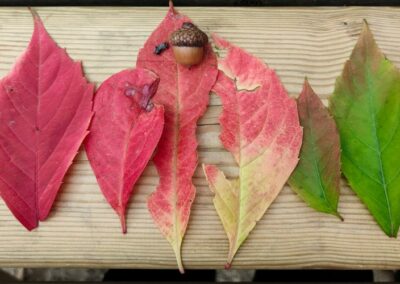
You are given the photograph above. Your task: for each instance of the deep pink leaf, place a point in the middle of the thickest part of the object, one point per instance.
(184, 92)
(124, 132)
(45, 105)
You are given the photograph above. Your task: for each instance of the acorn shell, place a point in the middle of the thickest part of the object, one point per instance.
(188, 55)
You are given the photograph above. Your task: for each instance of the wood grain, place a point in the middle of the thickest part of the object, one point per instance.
(83, 230)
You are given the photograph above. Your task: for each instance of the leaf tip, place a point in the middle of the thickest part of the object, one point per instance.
(306, 91)
(366, 38)
(391, 232)
(306, 86)
(306, 82)
(179, 261)
(123, 222)
(35, 16)
(231, 255)
(30, 226)
(365, 29)
(172, 8)
(177, 250)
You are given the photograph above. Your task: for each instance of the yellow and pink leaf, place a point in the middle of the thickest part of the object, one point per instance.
(260, 127)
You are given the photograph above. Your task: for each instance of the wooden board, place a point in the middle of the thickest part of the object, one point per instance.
(83, 230)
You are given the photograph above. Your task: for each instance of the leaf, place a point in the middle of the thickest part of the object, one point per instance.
(124, 132)
(366, 107)
(46, 107)
(184, 93)
(260, 127)
(316, 178)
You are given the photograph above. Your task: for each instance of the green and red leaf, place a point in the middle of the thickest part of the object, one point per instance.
(366, 107)
(316, 178)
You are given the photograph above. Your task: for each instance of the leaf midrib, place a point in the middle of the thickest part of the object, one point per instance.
(235, 243)
(123, 168)
(242, 167)
(175, 166)
(37, 129)
(378, 148)
(314, 158)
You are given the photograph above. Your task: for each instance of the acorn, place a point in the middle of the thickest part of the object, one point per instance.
(188, 44)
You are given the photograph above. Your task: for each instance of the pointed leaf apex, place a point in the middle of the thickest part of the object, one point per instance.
(177, 250)
(172, 8)
(123, 222)
(36, 18)
(228, 266)
(35, 15)
(31, 227)
(307, 85)
(365, 29)
(37, 21)
(366, 37)
(307, 90)
(231, 255)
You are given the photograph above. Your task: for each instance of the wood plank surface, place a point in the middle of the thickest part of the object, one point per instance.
(83, 230)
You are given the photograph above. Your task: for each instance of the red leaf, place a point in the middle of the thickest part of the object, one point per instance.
(123, 134)
(184, 93)
(45, 105)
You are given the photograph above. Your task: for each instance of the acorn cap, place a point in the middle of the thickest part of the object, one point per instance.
(189, 35)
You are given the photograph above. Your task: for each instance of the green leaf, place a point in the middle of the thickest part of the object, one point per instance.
(317, 175)
(366, 107)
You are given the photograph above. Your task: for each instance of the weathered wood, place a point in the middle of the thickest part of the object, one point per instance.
(83, 230)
